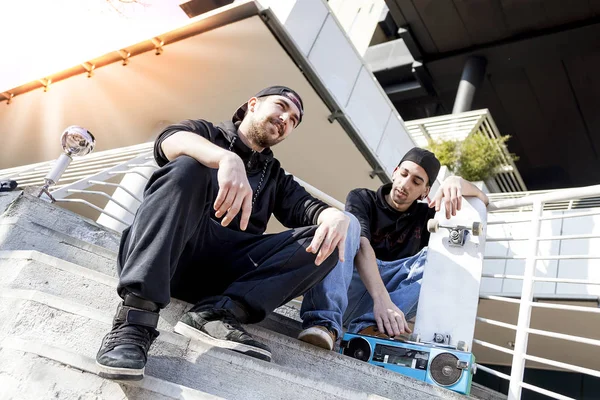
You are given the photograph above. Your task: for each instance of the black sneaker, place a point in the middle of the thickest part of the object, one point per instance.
(124, 350)
(221, 329)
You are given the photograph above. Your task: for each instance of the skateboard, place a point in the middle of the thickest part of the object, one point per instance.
(449, 294)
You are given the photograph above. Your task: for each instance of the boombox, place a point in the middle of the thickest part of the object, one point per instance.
(436, 364)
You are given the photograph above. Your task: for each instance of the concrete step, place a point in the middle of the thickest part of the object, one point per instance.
(28, 223)
(63, 374)
(64, 305)
(173, 358)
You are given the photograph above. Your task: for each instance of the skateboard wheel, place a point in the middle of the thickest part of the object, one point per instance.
(477, 228)
(462, 346)
(433, 225)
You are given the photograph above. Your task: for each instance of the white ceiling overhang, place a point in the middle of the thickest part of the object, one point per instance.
(205, 69)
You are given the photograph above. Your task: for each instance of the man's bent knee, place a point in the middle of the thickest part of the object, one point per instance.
(182, 174)
(189, 167)
(353, 234)
(354, 228)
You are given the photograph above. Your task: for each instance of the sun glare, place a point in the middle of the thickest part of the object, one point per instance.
(44, 37)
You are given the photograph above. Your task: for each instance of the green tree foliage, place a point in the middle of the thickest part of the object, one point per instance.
(477, 158)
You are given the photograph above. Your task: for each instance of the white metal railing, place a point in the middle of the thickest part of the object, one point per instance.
(536, 202)
(80, 168)
(458, 127)
(87, 180)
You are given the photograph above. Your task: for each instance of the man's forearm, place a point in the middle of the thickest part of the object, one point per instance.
(470, 190)
(366, 265)
(189, 144)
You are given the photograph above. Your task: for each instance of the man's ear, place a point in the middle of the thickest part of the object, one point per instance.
(427, 189)
(252, 104)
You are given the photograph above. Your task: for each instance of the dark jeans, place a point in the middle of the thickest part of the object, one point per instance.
(174, 248)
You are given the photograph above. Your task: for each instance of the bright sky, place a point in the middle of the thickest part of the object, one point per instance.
(42, 37)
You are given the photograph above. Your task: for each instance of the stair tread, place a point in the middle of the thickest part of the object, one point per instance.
(26, 209)
(83, 295)
(171, 347)
(192, 364)
(88, 365)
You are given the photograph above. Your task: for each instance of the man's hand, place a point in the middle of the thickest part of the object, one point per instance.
(450, 192)
(390, 319)
(331, 233)
(235, 192)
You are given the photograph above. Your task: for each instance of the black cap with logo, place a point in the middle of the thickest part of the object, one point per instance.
(272, 91)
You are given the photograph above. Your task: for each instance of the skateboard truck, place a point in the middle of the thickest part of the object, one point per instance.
(458, 233)
(440, 338)
(444, 339)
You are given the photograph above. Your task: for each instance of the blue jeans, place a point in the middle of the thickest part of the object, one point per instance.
(341, 299)
(402, 279)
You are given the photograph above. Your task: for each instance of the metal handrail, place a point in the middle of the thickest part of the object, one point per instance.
(556, 195)
(536, 202)
(545, 392)
(493, 372)
(543, 279)
(493, 346)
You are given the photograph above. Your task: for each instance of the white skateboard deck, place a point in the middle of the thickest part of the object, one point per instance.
(450, 287)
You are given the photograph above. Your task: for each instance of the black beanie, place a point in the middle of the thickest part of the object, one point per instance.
(425, 159)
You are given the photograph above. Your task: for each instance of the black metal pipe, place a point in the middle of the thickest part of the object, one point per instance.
(471, 78)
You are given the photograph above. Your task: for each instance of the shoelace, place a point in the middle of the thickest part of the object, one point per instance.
(129, 334)
(262, 177)
(233, 324)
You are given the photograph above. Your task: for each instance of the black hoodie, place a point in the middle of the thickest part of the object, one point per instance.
(279, 193)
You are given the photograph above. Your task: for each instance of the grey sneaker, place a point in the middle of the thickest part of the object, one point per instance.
(124, 350)
(221, 329)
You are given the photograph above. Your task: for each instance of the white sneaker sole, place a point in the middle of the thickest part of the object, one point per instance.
(195, 334)
(120, 374)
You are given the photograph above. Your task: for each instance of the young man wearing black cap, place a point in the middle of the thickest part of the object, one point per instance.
(390, 258)
(198, 235)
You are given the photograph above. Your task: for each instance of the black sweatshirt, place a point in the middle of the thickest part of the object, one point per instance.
(393, 234)
(279, 193)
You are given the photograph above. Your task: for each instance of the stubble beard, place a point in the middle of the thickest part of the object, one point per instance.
(260, 135)
(400, 201)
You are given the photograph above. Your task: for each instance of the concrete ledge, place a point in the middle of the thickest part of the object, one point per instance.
(29, 271)
(148, 388)
(29, 209)
(195, 366)
(64, 323)
(90, 313)
(17, 235)
(70, 307)
(59, 264)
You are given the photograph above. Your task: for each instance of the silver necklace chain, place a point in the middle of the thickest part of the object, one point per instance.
(262, 177)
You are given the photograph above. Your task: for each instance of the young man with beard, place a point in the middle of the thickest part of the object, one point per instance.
(377, 291)
(198, 235)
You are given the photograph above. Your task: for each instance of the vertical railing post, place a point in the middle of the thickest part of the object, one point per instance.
(518, 363)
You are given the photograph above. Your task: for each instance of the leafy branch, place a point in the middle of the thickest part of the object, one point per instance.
(477, 158)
